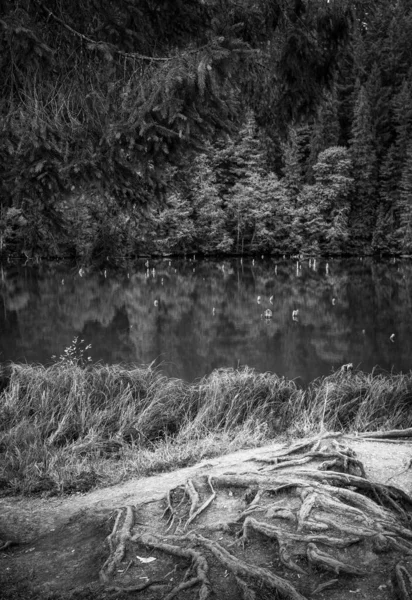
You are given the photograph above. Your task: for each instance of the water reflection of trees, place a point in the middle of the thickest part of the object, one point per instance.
(200, 315)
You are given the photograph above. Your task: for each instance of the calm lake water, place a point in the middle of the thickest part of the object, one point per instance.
(194, 316)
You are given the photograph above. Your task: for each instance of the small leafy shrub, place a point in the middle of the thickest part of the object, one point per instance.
(11, 220)
(75, 354)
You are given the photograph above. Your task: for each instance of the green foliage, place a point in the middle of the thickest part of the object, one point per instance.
(83, 87)
(391, 220)
(333, 179)
(308, 222)
(364, 162)
(324, 206)
(174, 227)
(42, 232)
(383, 240)
(75, 355)
(242, 212)
(261, 216)
(209, 219)
(234, 159)
(95, 229)
(326, 129)
(305, 52)
(117, 101)
(293, 167)
(405, 201)
(11, 224)
(274, 217)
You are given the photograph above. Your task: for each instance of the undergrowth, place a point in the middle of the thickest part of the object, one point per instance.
(72, 426)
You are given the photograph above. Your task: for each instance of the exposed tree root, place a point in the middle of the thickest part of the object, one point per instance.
(403, 582)
(313, 444)
(169, 512)
(5, 545)
(200, 509)
(135, 588)
(194, 498)
(117, 541)
(250, 572)
(334, 455)
(323, 586)
(315, 556)
(197, 559)
(309, 520)
(246, 591)
(393, 433)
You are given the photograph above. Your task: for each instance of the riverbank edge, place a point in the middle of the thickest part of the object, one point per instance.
(70, 427)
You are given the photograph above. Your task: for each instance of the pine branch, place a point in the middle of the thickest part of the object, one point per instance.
(106, 46)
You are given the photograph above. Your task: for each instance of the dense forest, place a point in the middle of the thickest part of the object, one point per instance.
(210, 126)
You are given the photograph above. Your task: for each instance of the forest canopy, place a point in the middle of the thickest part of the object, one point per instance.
(123, 99)
(96, 81)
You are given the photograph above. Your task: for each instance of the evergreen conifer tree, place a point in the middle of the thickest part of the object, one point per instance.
(242, 212)
(387, 237)
(402, 109)
(293, 169)
(359, 49)
(209, 219)
(405, 202)
(172, 228)
(87, 84)
(363, 155)
(235, 159)
(262, 216)
(326, 130)
(395, 49)
(323, 210)
(379, 102)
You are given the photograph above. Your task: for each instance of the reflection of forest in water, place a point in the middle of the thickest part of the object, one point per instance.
(200, 315)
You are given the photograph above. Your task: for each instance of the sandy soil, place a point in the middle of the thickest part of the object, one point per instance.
(59, 544)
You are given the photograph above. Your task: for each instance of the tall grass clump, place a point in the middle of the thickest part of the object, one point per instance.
(72, 425)
(227, 399)
(359, 402)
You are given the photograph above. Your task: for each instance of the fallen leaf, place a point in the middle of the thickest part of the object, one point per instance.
(149, 559)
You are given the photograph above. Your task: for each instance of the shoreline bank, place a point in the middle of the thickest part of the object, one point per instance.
(68, 428)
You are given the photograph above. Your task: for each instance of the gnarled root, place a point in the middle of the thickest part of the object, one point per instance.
(198, 561)
(334, 456)
(318, 558)
(247, 572)
(195, 512)
(299, 518)
(402, 581)
(121, 533)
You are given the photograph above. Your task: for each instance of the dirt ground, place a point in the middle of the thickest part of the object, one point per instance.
(262, 523)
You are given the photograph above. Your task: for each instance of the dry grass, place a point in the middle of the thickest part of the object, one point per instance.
(68, 427)
(360, 402)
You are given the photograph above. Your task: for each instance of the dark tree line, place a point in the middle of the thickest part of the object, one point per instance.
(209, 125)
